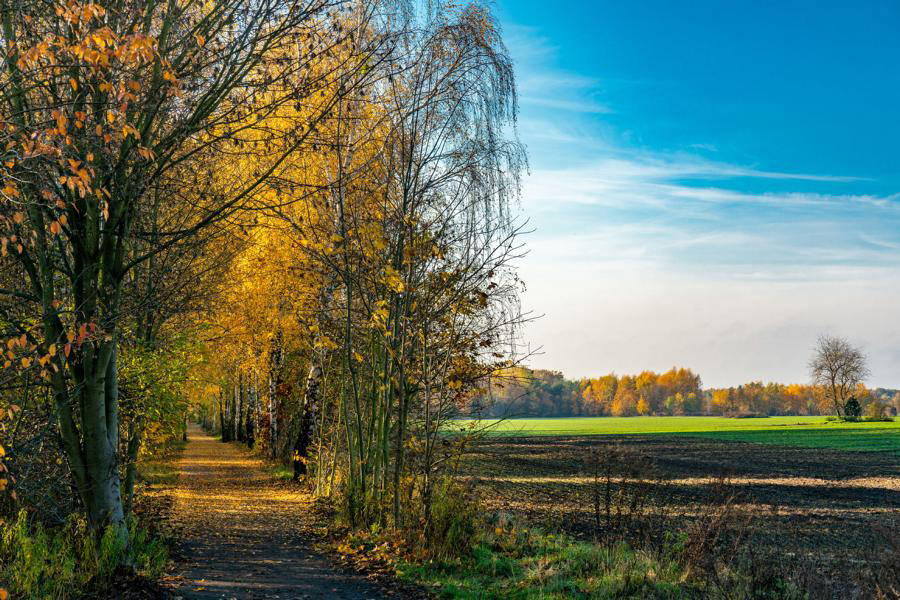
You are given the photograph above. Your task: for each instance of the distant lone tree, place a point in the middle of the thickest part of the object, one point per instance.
(837, 366)
(852, 410)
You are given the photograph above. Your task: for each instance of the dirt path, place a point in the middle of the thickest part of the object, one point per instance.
(242, 537)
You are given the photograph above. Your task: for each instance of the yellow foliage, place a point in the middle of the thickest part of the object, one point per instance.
(643, 407)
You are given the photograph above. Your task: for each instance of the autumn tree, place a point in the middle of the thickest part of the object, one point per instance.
(409, 233)
(722, 400)
(377, 288)
(624, 403)
(643, 407)
(100, 104)
(598, 394)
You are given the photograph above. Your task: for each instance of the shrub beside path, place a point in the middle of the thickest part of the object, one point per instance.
(241, 532)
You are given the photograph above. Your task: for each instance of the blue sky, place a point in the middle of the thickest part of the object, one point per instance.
(713, 184)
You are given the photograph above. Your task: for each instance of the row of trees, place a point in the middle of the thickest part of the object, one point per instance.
(375, 286)
(292, 218)
(796, 399)
(520, 391)
(540, 393)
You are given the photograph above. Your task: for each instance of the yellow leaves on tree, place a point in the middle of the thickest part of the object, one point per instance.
(393, 280)
(643, 407)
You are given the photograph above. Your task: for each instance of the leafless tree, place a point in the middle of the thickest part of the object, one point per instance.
(838, 367)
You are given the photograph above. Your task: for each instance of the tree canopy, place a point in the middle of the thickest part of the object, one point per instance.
(294, 220)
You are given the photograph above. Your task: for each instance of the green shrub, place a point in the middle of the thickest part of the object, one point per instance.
(884, 419)
(453, 523)
(877, 412)
(66, 562)
(355, 508)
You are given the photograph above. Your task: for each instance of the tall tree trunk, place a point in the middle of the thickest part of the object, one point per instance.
(135, 428)
(224, 415)
(257, 434)
(101, 489)
(250, 423)
(310, 410)
(275, 356)
(837, 400)
(239, 433)
(232, 424)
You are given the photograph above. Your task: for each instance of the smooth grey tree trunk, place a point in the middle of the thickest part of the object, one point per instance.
(101, 486)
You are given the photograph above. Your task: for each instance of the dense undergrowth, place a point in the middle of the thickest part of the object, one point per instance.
(60, 561)
(487, 558)
(532, 564)
(67, 562)
(461, 551)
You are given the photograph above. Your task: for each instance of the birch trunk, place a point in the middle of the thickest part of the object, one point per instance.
(274, 378)
(310, 410)
(250, 423)
(239, 433)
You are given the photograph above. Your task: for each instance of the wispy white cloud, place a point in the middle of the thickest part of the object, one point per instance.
(527, 44)
(544, 88)
(561, 92)
(594, 217)
(568, 105)
(541, 81)
(662, 182)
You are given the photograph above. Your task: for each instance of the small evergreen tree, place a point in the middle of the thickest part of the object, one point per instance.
(852, 409)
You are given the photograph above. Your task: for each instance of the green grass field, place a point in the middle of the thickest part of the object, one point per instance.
(810, 432)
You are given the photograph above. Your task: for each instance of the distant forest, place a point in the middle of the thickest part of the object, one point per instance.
(523, 392)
